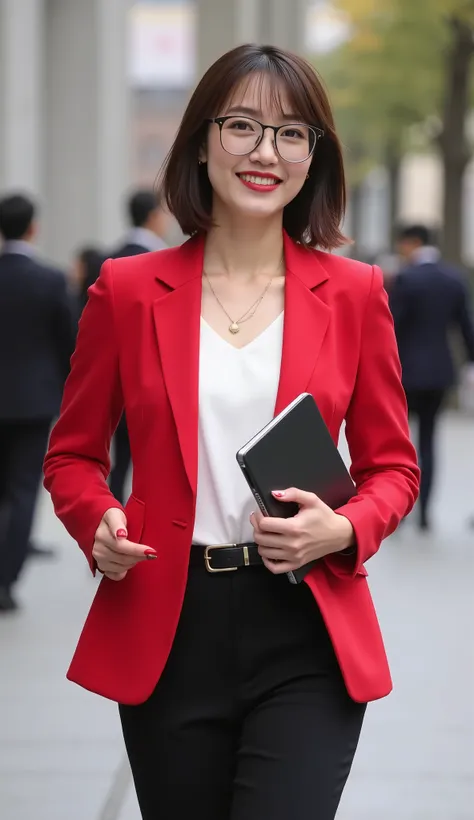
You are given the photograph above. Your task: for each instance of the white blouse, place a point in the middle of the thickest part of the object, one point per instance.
(237, 396)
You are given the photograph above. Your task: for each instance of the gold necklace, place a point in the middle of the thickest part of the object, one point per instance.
(234, 326)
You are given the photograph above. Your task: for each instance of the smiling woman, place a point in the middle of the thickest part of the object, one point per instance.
(247, 83)
(246, 695)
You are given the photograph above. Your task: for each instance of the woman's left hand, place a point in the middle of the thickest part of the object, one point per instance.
(286, 544)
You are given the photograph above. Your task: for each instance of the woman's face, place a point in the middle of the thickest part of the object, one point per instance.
(258, 184)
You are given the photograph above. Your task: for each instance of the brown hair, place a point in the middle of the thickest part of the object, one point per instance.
(315, 214)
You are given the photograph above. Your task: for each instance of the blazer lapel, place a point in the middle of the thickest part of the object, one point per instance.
(177, 316)
(177, 324)
(306, 322)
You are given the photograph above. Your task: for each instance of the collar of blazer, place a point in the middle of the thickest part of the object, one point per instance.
(184, 263)
(306, 317)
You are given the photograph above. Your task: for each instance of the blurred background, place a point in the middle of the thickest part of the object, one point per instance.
(91, 94)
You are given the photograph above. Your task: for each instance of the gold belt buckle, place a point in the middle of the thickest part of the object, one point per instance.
(207, 558)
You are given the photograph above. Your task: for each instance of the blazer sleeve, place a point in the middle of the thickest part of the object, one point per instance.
(64, 322)
(78, 459)
(384, 465)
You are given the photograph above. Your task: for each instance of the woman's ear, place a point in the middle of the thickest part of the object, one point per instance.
(202, 155)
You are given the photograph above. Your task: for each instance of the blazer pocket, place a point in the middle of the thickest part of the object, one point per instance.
(135, 514)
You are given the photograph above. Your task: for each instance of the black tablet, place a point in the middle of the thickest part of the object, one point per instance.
(295, 450)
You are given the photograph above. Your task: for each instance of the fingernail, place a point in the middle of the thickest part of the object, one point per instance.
(278, 493)
(121, 534)
(150, 554)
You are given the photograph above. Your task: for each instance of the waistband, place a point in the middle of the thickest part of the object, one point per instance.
(225, 557)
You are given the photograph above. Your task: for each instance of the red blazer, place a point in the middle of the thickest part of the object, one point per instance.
(138, 348)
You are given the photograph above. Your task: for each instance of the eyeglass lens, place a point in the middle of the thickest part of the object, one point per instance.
(294, 142)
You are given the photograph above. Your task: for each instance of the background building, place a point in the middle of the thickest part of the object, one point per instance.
(91, 93)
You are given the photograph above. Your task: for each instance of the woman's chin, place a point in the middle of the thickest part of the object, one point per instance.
(255, 210)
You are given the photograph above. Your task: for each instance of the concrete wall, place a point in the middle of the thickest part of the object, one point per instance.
(223, 24)
(64, 120)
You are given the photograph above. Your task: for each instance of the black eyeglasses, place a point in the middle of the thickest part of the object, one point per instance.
(294, 142)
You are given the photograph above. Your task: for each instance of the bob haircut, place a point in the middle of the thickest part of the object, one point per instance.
(314, 216)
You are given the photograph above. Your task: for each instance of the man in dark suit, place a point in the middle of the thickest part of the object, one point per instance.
(428, 299)
(148, 224)
(37, 337)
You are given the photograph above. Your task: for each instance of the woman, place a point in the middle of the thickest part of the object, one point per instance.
(241, 696)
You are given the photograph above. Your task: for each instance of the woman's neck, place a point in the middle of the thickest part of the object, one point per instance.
(244, 250)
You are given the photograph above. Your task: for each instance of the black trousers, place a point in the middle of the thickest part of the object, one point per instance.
(250, 719)
(22, 450)
(122, 459)
(426, 406)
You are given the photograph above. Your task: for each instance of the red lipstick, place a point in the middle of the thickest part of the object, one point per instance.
(252, 177)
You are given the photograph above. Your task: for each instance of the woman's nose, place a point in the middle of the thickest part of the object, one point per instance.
(266, 150)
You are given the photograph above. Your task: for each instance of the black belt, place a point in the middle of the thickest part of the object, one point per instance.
(225, 557)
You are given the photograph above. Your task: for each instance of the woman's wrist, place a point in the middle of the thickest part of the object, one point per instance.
(345, 541)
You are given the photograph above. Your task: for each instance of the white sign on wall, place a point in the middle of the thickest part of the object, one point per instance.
(162, 45)
(163, 39)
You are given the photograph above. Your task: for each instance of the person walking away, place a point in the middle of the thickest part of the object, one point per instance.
(428, 299)
(148, 221)
(37, 336)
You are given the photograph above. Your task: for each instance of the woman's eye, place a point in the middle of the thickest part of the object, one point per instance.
(293, 133)
(239, 125)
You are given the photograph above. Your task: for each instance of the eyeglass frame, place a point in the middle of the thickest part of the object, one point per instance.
(318, 132)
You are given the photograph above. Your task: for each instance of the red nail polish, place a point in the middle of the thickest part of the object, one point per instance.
(150, 553)
(121, 534)
(278, 493)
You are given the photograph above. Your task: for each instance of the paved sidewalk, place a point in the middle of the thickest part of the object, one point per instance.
(61, 754)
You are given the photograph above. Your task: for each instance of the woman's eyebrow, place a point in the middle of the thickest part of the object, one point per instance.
(252, 112)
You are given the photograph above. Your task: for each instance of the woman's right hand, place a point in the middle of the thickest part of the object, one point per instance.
(113, 553)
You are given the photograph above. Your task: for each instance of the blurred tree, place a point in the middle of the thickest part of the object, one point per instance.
(453, 138)
(406, 64)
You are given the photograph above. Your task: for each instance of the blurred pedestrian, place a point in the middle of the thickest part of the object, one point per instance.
(429, 299)
(240, 694)
(389, 263)
(36, 341)
(148, 221)
(85, 270)
(148, 224)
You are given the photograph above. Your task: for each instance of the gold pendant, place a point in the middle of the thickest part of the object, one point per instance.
(234, 328)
